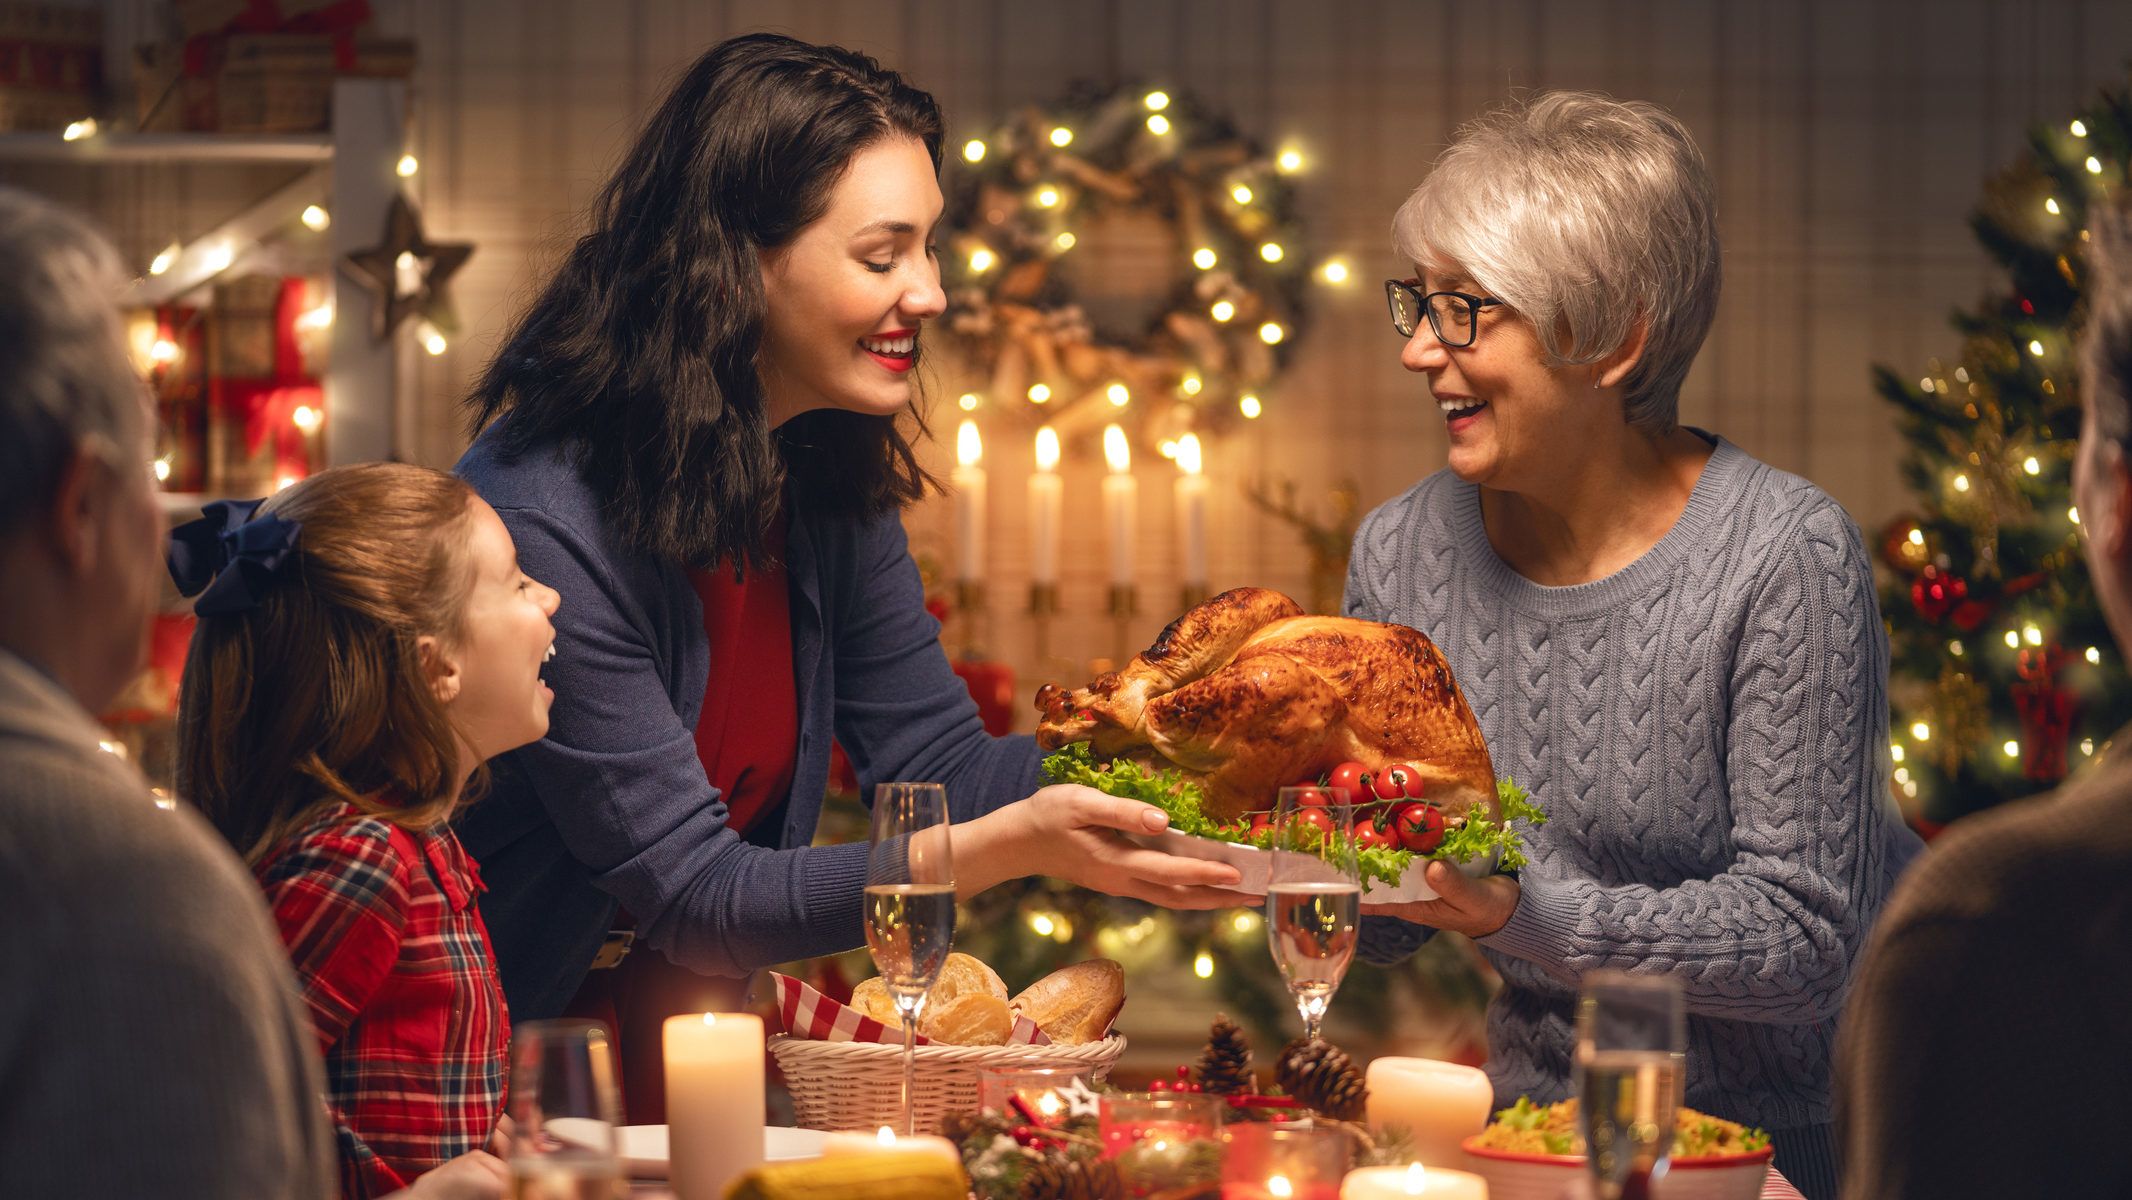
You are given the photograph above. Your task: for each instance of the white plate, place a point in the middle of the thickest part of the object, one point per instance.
(1256, 866)
(643, 1149)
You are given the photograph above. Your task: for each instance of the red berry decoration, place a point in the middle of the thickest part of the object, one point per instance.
(1935, 593)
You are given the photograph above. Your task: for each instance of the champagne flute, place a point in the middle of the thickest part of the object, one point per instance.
(1632, 1034)
(563, 1113)
(910, 906)
(1314, 902)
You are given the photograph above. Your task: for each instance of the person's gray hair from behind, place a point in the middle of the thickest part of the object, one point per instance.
(65, 379)
(1584, 214)
(2106, 345)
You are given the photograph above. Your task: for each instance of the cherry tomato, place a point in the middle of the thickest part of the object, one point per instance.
(1316, 818)
(1419, 826)
(1367, 834)
(1400, 781)
(1312, 796)
(1352, 778)
(1260, 823)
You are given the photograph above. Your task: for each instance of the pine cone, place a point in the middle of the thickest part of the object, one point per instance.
(1321, 1075)
(1056, 1177)
(1225, 1065)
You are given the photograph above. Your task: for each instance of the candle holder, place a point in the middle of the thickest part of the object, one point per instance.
(1284, 1161)
(1124, 601)
(1163, 1141)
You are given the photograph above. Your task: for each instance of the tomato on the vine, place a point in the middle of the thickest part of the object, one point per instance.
(1352, 778)
(1316, 818)
(1419, 826)
(1367, 834)
(1260, 823)
(1400, 781)
(1311, 795)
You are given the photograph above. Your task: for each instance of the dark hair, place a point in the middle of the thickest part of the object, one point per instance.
(2106, 353)
(640, 355)
(318, 695)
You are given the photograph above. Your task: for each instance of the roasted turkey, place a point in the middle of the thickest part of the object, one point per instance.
(1249, 695)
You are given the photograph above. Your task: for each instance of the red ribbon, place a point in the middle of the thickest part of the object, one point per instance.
(2046, 712)
(268, 406)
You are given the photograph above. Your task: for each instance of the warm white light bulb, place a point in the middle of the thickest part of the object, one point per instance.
(973, 151)
(1039, 393)
(1271, 252)
(408, 165)
(1204, 258)
(77, 130)
(1062, 137)
(1156, 101)
(1241, 194)
(1117, 452)
(1250, 407)
(2094, 165)
(1271, 333)
(967, 401)
(1191, 385)
(2013, 749)
(1158, 124)
(1334, 271)
(2013, 638)
(164, 258)
(981, 260)
(1047, 449)
(2094, 656)
(1188, 454)
(2031, 466)
(307, 418)
(1961, 483)
(1222, 310)
(1118, 395)
(2050, 205)
(316, 218)
(2080, 128)
(2035, 347)
(1290, 161)
(2032, 635)
(1203, 966)
(1921, 731)
(1065, 240)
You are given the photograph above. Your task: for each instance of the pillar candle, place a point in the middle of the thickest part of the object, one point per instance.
(1046, 495)
(885, 1141)
(714, 1100)
(1442, 1103)
(1121, 496)
(969, 485)
(1402, 1183)
(1191, 513)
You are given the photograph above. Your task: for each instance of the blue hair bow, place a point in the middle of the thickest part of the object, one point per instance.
(230, 555)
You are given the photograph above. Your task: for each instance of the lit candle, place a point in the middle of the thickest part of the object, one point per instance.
(1121, 495)
(885, 1141)
(1045, 505)
(969, 483)
(1401, 1183)
(1191, 513)
(714, 1100)
(1441, 1103)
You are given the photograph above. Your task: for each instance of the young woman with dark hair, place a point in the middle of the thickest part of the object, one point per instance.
(366, 641)
(701, 432)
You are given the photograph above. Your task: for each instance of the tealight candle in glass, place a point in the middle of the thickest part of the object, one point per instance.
(1287, 1160)
(1162, 1141)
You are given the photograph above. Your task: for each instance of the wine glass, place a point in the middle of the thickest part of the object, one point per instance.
(1632, 1034)
(563, 1112)
(1314, 900)
(910, 906)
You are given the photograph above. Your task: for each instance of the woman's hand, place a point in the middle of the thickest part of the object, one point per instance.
(1077, 834)
(475, 1175)
(1474, 907)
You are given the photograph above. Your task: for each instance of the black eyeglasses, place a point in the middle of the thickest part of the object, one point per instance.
(1454, 316)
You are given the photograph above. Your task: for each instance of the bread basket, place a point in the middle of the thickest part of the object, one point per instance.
(859, 1085)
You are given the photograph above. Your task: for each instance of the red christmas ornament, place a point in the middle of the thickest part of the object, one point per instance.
(1935, 593)
(2046, 712)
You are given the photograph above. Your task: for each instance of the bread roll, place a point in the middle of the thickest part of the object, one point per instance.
(962, 978)
(1075, 1004)
(971, 1019)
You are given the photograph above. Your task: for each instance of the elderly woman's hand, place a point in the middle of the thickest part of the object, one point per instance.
(1474, 907)
(1077, 834)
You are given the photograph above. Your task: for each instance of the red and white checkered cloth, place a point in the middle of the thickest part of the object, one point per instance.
(807, 1013)
(1776, 1187)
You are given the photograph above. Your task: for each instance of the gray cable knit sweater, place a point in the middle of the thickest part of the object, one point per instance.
(1707, 730)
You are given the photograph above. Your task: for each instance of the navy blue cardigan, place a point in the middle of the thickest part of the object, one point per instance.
(613, 806)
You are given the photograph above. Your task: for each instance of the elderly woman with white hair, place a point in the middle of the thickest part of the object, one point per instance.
(1674, 647)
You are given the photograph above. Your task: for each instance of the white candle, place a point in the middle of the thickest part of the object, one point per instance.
(1401, 1183)
(1121, 495)
(714, 1100)
(885, 1141)
(1191, 512)
(1442, 1103)
(1046, 496)
(969, 484)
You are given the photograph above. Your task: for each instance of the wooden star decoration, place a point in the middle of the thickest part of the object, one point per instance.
(407, 272)
(1080, 1101)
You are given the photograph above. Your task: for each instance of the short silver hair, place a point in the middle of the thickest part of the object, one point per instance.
(1584, 214)
(65, 379)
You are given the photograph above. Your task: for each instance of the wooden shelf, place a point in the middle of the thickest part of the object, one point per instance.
(168, 148)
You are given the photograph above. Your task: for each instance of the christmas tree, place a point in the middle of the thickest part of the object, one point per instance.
(2003, 675)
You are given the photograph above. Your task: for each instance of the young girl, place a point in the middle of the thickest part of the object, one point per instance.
(366, 642)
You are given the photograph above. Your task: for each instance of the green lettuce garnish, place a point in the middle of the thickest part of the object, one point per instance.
(1183, 799)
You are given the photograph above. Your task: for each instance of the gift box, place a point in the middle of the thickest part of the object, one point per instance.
(258, 82)
(258, 384)
(51, 65)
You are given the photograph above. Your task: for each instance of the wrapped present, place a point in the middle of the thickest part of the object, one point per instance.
(203, 18)
(258, 83)
(257, 386)
(51, 65)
